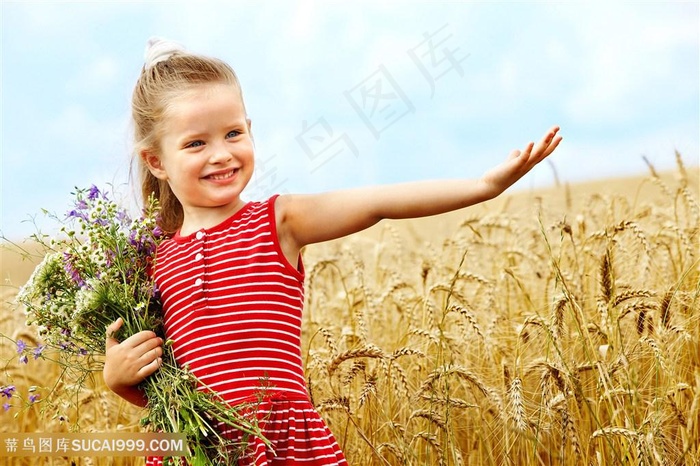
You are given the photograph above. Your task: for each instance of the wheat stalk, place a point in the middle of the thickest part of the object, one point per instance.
(358, 367)
(394, 451)
(464, 374)
(369, 389)
(431, 416)
(631, 294)
(616, 431)
(451, 401)
(665, 308)
(368, 351)
(340, 403)
(469, 317)
(431, 440)
(516, 406)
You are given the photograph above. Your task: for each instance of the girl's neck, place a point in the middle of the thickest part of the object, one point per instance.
(208, 217)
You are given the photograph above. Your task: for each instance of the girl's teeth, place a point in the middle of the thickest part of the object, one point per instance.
(222, 177)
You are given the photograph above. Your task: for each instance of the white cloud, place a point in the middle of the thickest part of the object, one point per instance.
(96, 77)
(625, 59)
(303, 23)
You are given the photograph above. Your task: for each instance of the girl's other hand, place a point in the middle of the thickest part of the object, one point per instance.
(128, 363)
(518, 163)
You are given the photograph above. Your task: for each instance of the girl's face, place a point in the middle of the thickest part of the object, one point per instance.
(206, 153)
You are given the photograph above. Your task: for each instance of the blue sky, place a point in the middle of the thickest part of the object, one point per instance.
(344, 94)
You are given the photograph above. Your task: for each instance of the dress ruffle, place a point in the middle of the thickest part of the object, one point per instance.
(297, 433)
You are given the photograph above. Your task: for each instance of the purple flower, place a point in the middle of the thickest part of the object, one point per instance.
(6, 406)
(144, 244)
(123, 217)
(7, 390)
(38, 350)
(94, 192)
(71, 270)
(21, 345)
(33, 397)
(24, 359)
(78, 212)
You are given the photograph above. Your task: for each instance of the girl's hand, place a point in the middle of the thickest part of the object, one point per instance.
(128, 363)
(496, 180)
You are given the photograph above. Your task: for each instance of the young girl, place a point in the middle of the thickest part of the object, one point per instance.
(230, 274)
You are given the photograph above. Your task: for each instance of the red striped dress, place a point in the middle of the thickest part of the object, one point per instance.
(233, 305)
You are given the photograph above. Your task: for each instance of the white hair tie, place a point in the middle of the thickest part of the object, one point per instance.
(159, 49)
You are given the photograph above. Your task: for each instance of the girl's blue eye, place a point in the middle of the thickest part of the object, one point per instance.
(233, 134)
(195, 144)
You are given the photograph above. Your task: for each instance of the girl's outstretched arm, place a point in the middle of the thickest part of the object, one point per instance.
(306, 219)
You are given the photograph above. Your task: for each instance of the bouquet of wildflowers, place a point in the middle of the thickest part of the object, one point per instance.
(98, 271)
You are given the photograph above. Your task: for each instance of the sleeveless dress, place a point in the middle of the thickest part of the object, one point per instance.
(232, 304)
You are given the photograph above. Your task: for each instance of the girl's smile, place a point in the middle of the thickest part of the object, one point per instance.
(223, 176)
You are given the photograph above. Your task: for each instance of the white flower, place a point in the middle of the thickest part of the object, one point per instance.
(29, 290)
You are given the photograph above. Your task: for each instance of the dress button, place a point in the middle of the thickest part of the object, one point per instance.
(198, 282)
(199, 256)
(199, 235)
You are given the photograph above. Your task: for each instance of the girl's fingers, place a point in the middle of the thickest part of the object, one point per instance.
(549, 142)
(152, 361)
(528, 150)
(152, 354)
(114, 326)
(149, 345)
(545, 142)
(140, 338)
(134, 340)
(111, 329)
(150, 368)
(554, 144)
(550, 134)
(545, 151)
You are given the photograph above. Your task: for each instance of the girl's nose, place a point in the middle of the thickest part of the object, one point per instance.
(220, 154)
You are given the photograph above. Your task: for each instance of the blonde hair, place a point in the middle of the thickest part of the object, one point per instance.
(156, 87)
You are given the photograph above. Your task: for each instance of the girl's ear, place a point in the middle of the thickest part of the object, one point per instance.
(154, 165)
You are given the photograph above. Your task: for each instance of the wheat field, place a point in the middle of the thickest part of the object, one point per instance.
(557, 327)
